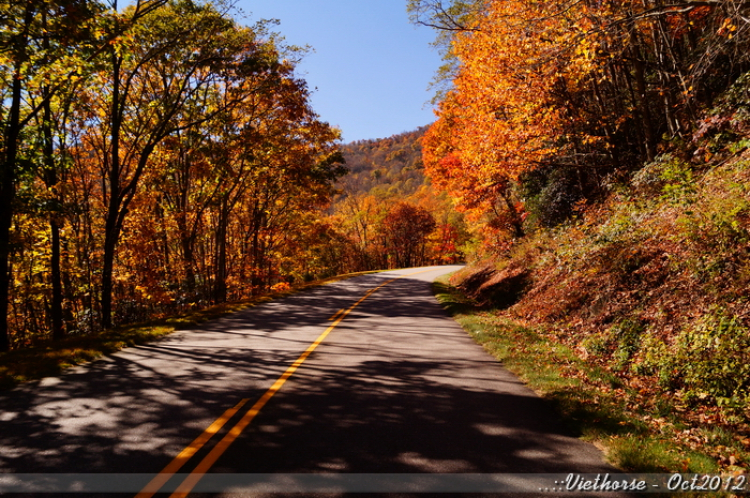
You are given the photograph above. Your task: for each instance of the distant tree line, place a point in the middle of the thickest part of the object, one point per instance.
(386, 211)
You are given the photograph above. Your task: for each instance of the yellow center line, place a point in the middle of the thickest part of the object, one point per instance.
(208, 461)
(157, 482)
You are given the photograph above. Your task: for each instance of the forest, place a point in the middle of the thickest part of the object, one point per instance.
(155, 158)
(387, 212)
(163, 158)
(548, 105)
(599, 152)
(589, 159)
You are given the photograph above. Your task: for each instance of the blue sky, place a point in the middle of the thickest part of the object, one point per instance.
(370, 69)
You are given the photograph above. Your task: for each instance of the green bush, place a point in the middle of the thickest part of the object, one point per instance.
(679, 186)
(550, 194)
(622, 340)
(710, 359)
(627, 337)
(668, 176)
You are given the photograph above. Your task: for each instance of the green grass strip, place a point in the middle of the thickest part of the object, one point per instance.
(556, 373)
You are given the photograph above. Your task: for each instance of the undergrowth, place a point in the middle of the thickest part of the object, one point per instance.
(589, 399)
(644, 300)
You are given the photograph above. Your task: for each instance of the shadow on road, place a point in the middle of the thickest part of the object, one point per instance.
(396, 388)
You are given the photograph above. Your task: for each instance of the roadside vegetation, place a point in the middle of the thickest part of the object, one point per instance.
(154, 159)
(600, 153)
(592, 401)
(633, 316)
(387, 214)
(227, 186)
(590, 159)
(635, 440)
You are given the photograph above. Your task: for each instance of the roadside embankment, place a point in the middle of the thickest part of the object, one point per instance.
(635, 316)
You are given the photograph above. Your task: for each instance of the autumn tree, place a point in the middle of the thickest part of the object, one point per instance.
(496, 123)
(404, 233)
(358, 215)
(550, 99)
(180, 163)
(160, 62)
(383, 173)
(41, 45)
(236, 193)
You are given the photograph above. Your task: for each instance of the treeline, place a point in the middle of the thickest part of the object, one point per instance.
(153, 158)
(549, 103)
(387, 215)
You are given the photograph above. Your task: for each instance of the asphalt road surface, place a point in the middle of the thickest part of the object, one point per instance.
(364, 380)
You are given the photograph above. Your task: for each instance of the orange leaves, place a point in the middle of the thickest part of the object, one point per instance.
(727, 28)
(500, 119)
(281, 287)
(186, 165)
(570, 90)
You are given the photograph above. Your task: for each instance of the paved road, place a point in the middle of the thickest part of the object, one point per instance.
(394, 387)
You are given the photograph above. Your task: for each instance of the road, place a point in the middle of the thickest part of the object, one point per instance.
(363, 376)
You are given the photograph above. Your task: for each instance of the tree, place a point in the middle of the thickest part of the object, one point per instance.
(158, 150)
(161, 61)
(404, 231)
(448, 18)
(41, 45)
(565, 94)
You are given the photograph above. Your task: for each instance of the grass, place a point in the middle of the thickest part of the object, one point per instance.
(52, 358)
(49, 359)
(586, 397)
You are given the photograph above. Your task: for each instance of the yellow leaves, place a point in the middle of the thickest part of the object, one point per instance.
(503, 117)
(98, 32)
(143, 291)
(727, 28)
(281, 287)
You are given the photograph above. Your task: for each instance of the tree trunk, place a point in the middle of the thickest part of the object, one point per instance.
(50, 180)
(643, 107)
(220, 281)
(110, 247)
(111, 230)
(256, 252)
(7, 193)
(12, 134)
(515, 217)
(187, 240)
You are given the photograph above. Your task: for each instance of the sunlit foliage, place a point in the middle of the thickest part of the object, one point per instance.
(154, 158)
(552, 102)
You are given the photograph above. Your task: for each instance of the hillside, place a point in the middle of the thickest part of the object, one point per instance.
(649, 289)
(386, 214)
(599, 151)
(386, 167)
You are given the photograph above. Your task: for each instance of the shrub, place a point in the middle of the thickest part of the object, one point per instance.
(710, 359)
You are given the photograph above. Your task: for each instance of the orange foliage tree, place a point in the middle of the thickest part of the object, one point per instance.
(386, 173)
(498, 122)
(180, 165)
(404, 232)
(550, 99)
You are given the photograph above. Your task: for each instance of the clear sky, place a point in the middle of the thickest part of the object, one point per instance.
(370, 69)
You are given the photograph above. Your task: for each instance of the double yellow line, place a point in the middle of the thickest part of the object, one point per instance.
(208, 461)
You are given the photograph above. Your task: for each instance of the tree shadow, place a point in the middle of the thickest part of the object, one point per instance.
(395, 388)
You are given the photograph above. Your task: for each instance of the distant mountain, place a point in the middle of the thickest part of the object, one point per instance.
(386, 167)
